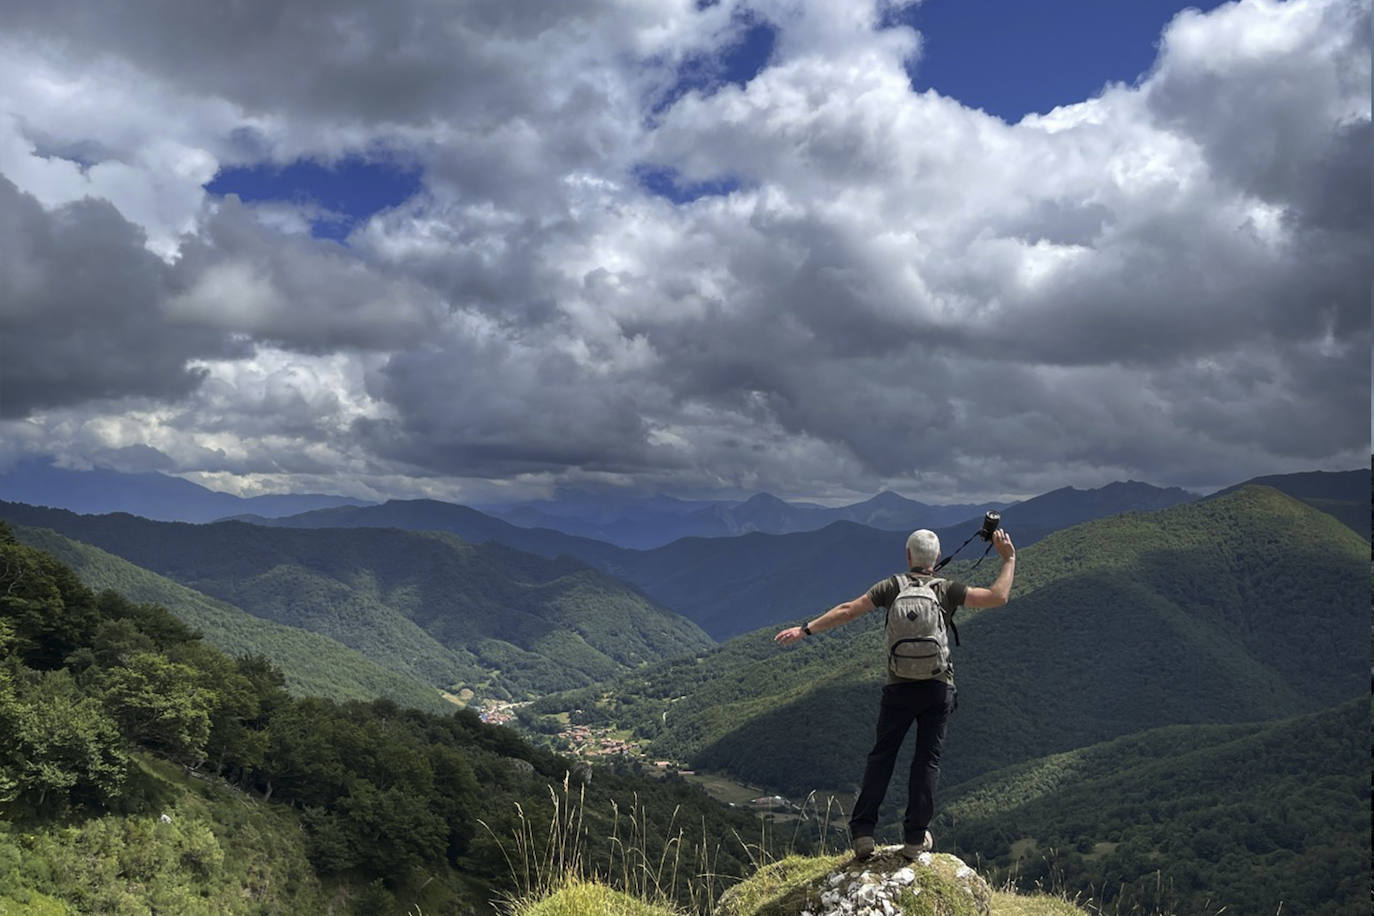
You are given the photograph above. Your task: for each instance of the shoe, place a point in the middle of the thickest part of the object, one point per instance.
(863, 847)
(912, 850)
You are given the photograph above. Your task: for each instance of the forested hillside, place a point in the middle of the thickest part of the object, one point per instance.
(141, 768)
(1338, 493)
(313, 665)
(1256, 817)
(469, 524)
(424, 604)
(1116, 626)
(1071, 506)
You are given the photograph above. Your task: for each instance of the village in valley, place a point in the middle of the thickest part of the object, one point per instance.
(583, 741)
(605, 744)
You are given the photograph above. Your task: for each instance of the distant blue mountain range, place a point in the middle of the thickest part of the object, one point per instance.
(729, 585)
(644, 523)
(640, 522)
(150, 495)
(623, 519)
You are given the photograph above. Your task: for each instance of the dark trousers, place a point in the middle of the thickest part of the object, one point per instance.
(929, 705)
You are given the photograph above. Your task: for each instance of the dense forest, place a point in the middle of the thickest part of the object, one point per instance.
(178, 776)
(1253, 817)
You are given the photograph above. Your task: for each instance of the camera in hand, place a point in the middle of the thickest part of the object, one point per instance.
(990, 522)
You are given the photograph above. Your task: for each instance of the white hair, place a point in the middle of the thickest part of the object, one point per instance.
(923, 549)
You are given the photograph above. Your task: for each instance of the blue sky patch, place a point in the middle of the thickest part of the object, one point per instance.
(349, 190)
(1011, 58)
(665, 182)
(735, 64)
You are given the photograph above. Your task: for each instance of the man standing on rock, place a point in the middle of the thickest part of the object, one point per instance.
(920, 679)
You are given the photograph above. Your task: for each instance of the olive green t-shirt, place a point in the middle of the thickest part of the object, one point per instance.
(949, 592)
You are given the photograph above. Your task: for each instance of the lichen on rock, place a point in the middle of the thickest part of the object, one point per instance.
(935, 884)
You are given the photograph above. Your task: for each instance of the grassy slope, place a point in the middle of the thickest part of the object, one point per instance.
(581, 898)
(314, 665)
(1240, 608)
(424, 604)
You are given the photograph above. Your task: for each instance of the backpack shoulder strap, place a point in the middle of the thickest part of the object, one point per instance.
(902, 580)
(948, 615)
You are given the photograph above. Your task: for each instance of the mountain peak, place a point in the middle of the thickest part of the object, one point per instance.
(887, 498)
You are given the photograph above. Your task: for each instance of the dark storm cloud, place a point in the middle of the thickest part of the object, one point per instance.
(296, 291)
(393, 62)
(90, 314)
(500, 264)
(1172, 290)
(80, 301)
(491, 405)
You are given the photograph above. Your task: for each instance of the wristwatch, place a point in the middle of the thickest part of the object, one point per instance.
(806, 628)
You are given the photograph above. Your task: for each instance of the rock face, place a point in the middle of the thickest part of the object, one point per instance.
(887, 884)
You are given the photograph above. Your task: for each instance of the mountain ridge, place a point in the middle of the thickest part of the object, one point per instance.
(425, 603)
(643, 527)
(732, 585)
(1337, 493)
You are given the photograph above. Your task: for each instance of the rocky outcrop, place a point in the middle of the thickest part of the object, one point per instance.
(934, 884)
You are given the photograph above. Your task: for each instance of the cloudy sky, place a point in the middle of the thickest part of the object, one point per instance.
(964, 250)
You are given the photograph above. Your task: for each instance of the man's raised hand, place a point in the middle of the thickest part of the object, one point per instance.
(1001, 542)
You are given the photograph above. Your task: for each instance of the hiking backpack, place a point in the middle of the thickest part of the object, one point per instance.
(918, 631)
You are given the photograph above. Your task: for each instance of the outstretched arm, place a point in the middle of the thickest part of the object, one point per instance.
(840, 613)
(1000, 591)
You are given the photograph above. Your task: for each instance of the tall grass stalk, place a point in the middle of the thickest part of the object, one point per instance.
(536, 869)
(679, 874)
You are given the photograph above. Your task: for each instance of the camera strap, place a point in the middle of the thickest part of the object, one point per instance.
(986, 550)
(940, 565)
